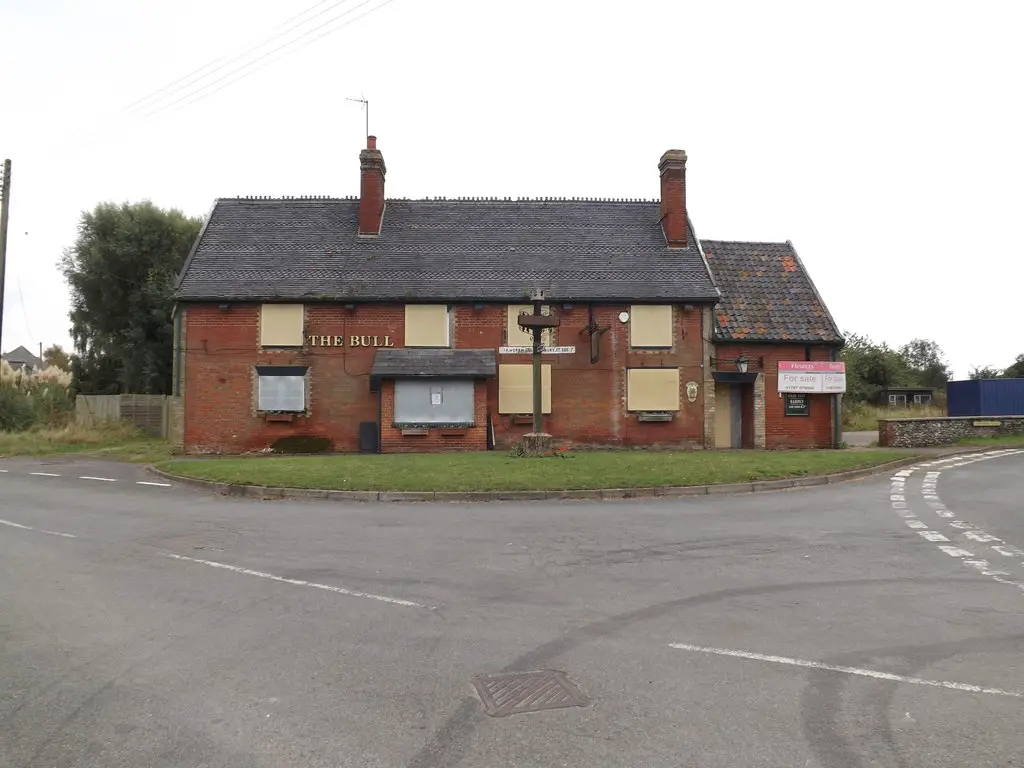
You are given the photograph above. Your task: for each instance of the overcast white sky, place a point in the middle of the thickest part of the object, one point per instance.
(883, 138)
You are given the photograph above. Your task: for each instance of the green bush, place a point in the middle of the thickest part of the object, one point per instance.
(17, 412)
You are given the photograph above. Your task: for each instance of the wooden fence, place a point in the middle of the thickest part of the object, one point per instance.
(156, 415)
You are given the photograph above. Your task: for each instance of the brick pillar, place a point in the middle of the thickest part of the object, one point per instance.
(708, 384)
(371, 188)
(759, 416)
(673, 197)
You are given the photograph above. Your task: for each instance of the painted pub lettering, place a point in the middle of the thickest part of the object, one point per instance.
(354, 340)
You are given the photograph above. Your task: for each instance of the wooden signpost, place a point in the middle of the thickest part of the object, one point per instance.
(537, 442)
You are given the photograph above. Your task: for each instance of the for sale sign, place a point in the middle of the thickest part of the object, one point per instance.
(812, 377)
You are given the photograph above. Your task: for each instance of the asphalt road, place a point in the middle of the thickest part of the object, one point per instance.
(866, 624)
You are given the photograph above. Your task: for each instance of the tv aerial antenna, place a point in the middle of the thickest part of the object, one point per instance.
(366, 105)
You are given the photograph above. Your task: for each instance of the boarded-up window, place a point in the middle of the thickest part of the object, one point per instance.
(652, 389)
(434, 401)
(650, 325)
(517, 337)
(515, 388)
(281, 325)
(426, 325)
(281, 388)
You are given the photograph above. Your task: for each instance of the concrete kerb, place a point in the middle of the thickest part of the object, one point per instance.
(758, 486)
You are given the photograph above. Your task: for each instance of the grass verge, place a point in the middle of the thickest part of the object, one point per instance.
(118, 441)
(1004, 441)
(497, 471)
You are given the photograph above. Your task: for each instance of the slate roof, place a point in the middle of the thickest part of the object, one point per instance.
(22, 356)
(441, 250)
(767, 295)
(428, 363)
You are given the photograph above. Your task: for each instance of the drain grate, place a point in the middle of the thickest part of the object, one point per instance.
(517, 692)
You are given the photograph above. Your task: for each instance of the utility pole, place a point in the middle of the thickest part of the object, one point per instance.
(5, 203)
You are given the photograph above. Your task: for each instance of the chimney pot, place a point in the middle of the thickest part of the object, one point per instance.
(371, 142)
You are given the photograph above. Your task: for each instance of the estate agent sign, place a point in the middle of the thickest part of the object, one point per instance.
(812, 377)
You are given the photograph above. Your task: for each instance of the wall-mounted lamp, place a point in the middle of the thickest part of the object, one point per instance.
(741, 364)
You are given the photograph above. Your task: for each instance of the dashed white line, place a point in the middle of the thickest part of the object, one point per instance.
(44, 474)
(956, 552)
(160, 485)
(37, 530)
(104, 479)
(300, 583)
(929, 492)
(847, 670)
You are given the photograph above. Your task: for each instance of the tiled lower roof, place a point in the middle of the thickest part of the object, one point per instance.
(767, 295)
(422, 363)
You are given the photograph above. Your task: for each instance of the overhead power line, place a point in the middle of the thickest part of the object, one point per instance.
(202, 92)
(186, 80)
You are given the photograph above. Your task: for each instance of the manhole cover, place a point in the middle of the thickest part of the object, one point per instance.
(518, 692)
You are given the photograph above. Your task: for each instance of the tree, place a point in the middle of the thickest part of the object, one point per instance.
(121, 273)
(57, 357)
(988, 372)
(926, 363)
(872, 367)
(1015, 371)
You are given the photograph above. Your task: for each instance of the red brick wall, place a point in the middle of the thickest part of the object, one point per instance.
(588, 401)
(470, 439)
(221, 348)
(781, 431)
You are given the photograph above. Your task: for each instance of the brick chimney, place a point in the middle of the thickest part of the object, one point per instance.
(673, 197)
(371, 188)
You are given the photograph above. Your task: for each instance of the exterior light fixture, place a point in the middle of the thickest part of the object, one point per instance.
(741, 364)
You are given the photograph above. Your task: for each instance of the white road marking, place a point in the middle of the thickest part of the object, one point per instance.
(981, 536)
(929, 492)
(144, 482)
(847, 670)
(299, 582)
(956, 552)
(104, 479)
(1008, 551)
(37, 530)
(44, 474)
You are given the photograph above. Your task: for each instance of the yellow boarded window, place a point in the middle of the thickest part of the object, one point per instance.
(517, 337)
(515, 388)
(281, 325)
(652, 389)
(650, 325)
(426, 325)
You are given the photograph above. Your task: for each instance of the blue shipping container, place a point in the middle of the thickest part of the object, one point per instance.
(985, 397)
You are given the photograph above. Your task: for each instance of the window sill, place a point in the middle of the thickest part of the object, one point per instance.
(285, 417)
(655, 416)
(428, 425)
(527, 418)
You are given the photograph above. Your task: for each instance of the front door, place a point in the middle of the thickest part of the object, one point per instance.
(736, 417)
